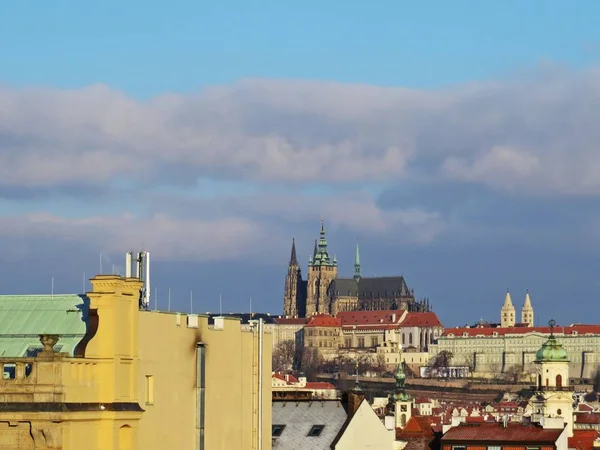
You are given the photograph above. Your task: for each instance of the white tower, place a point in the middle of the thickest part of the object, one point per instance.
(527, 311)
(507, 313)
(402, 400)
(554, 397)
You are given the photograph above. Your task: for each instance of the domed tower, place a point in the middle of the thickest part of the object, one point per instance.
(401, 399)
(553, 397)
(507, 313)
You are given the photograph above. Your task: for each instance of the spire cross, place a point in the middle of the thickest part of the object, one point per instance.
(552, 324)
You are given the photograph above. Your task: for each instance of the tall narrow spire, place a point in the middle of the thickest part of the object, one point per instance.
(293, 258)
(316, 250)
(357, 265)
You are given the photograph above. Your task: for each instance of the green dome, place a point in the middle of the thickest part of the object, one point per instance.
(552, 351)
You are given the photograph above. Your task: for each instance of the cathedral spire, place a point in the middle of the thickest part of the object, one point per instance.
(293, 258)
(357, 265)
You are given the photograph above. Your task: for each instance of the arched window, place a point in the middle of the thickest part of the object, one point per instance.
(410, 339)
(547, 382)
(559, 380)
(403, 339)
(403, 420)
(540, 381)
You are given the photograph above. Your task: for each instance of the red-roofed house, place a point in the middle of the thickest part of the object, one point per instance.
(505, 436)
(420, 433)
(584, 440)
(324, 333)
(285, 384)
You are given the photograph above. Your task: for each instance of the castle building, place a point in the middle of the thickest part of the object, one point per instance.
(324, 292)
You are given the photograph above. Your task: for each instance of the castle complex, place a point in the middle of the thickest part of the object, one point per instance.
(323, 292)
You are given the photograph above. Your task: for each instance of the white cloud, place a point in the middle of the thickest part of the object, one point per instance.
(300, 131)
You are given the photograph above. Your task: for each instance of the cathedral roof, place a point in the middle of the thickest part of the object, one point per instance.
(370, 287)
(421, 319)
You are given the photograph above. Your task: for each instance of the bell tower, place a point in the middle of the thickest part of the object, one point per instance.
(507, 313)
(554, 397)
(322, 270)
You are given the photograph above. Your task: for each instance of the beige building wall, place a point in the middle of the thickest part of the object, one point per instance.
(167, 383)
(493, 354)
(365, 431)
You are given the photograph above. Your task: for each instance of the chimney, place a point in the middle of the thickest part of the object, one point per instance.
(353, 399)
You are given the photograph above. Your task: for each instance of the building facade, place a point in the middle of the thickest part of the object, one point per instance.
(490, 350)
(324, 292)
(135, 378)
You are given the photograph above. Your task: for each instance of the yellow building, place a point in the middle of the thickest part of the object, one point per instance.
(139, 379)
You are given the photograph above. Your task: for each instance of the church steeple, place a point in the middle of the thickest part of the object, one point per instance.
(321, 256)
(527, 311)
(507, 313)
(357, 265)
(293, 258)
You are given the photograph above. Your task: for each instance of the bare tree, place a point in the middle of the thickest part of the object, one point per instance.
(495, 370)
(311, 362)
(380, 364)
(469, 362)
(513, 373)
(439, 364)
(284, 354)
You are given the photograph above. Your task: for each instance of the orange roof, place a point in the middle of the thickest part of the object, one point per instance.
(417, 426)
(495, 432)
(421, 319)
(324, 320)
(489, 331)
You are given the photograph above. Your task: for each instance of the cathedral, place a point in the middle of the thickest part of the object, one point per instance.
(323, 292)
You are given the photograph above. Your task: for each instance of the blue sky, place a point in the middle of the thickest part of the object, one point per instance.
(456, 141)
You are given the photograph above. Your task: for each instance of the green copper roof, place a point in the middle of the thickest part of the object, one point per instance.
(401, 394)
(552, 351)
(24, 317)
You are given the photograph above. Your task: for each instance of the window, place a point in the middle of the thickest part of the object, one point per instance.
(315, 430)
(277, 430)
(559, 381)
(410, 339)
(374, 342)
(149, 389)
(348, 342)
(361, 341)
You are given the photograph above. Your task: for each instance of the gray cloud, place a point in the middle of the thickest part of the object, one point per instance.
(537, 134)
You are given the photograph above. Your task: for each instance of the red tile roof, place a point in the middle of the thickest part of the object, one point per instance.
(421, 319)
(493, 432)
(584, 407)
(489, 331)
(324, 320)
(370, 317)
(588, 418)
(583, 439)
(290, 321)
(417, 426)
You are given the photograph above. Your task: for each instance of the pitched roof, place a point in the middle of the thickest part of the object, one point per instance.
(299, 416)
(24, 317)
(489, 331)
(324, 320)
(587, 418)
(369, 317)
(496, 432)
(421, 319)
(376, 287)
(319, 385)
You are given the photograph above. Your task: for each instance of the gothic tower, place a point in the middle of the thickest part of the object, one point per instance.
(527, 311)
(507, 314)
(292, 299)
(322, 270)
(357, 265)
